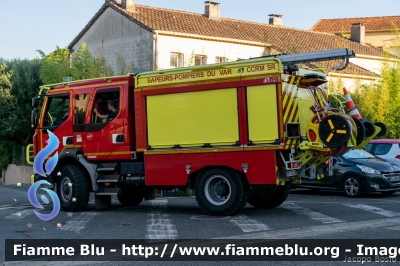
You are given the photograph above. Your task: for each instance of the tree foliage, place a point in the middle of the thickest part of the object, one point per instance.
(55, 66)
(25, 82)
(6, 148)
(80, 65)
(122, 66)
(20, 81)
(5, 97)
(379, 102)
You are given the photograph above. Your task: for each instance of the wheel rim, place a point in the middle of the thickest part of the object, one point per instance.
(217, 190)
(351, 186)
(66, 189)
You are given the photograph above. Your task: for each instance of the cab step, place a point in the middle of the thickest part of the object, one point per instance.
(106, 194)
(104, 169)
(107, 181)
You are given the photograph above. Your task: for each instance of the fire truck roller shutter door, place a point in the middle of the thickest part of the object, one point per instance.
(192, 119)
(262, 114)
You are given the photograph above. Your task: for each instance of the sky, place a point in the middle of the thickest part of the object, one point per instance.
(30, 25)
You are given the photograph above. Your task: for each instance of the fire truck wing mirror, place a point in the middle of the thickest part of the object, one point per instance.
(35, 102)
(34, 117)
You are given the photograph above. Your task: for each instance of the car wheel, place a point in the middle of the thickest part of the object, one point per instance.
(387, 193)
(352, 186)
(221, 191)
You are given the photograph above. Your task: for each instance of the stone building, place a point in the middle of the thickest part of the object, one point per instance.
(376, 31)
(159, 38)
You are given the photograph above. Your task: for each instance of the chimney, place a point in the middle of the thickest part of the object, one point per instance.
(212, 10)
(275, 19)
(358, 32)
(128, 4)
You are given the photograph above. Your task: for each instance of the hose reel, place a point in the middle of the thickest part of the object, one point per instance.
(335, 130)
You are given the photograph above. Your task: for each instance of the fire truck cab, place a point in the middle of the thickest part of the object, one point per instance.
(237, 133)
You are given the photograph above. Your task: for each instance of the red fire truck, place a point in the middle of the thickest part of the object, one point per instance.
(238, 132)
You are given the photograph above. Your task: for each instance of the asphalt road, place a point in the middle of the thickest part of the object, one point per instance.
(305, 215)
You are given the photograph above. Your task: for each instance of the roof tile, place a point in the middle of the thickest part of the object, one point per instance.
(343, 25)
(285, 39)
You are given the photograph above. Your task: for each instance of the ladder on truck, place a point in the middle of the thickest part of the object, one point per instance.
(290, 60)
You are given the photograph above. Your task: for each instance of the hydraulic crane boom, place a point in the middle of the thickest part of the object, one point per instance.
(337, 54)
(294, 59)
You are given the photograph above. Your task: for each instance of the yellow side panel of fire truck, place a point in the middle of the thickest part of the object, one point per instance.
(193, 119)
(262, 114)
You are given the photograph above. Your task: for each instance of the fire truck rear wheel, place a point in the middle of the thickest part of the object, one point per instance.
(269, 199)
(130, 196)
(221, 191)
(72, 188)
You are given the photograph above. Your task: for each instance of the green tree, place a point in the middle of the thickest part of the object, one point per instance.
(122, 66)
(25, 82)
(6, 148)
(100, 67)
(80, 65)
(5, 97)
(55, 66)
(336, 85)
(379, 102)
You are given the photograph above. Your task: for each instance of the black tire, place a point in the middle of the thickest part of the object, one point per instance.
(369, 129)
(388, 193)
(130, 196)
(360, 131)
(271, 198)
(73, 197)
(221, 191)
(355, 191)
(383, 129)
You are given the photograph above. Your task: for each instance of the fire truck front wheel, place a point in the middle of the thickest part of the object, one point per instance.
(220, 191)
(72, 188)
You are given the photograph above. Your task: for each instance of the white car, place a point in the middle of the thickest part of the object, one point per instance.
(388, 149)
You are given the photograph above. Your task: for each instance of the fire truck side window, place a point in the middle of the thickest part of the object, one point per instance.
(81, 106)
(57, 110)
(106, 103)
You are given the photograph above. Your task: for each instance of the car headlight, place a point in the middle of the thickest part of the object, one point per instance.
(368, 170)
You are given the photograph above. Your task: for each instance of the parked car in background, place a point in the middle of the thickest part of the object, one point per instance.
(388, 149)
(356, 172)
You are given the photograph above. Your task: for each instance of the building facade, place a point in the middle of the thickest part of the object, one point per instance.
(154, 38)
(380, 32)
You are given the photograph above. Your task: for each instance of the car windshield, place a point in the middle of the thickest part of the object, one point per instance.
(358, 154)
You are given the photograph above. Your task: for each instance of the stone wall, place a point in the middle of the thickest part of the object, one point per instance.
(114, 34)
(18, 174)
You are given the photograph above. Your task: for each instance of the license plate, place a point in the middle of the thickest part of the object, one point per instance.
(394, 178)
